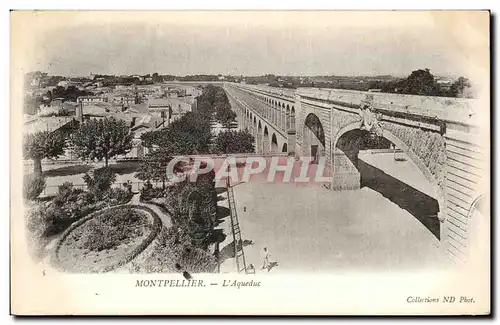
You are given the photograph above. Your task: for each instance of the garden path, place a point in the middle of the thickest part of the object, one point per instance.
(165, 218)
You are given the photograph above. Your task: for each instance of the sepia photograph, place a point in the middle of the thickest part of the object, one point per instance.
(250, 162)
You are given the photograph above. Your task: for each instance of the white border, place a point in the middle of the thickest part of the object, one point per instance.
(146, 4)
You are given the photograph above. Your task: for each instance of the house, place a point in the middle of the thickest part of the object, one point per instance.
(94, 111)
(87, 100)
(125, 101)
(64, 83)
(170, 108)
(444, 84)
(35, 82)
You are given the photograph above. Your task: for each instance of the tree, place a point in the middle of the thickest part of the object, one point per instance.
(99, 180)
(102, 139)
(42, 145)
(419, 82)
(459, 88)
(32, 104)
(188, 135)
(157, 78)
(154, 166)
(234, 142)
(226, 117)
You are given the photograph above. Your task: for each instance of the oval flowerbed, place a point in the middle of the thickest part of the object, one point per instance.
(107, 239)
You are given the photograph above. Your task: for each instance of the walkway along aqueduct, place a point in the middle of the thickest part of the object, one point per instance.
(440, 135)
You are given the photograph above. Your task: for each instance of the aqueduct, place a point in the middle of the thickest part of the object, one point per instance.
(441, 136)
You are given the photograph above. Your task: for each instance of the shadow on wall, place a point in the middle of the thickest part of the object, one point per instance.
(67, 171)
(228, 251)
(423, 207)
(119, 168)
(220, 190)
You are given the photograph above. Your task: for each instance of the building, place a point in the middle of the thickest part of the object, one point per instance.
(64, 83)
(169, 108)
(94, 111)
(87, 100)
(444, 83)
(125, 101)
(35, 82)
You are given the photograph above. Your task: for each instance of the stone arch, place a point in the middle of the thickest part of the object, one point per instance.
(313, 137)
(398, 143)
(346, 169)
(478, 230)
(284, 148)
(478, 205)
(265, 141)
(274, 144)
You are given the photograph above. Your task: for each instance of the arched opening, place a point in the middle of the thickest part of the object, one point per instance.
(254, 131)
(265, 141)
(285, 148)
(284, 117)
(287, 118)
(273, 117)
(292, 119)
(478, 231)
(274, 144)
(259, 138)
(314, 138)
(362, 159)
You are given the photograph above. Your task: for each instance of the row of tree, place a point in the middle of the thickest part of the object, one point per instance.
(192, 135)
(419, 82)
(94, 140)
(423, 82)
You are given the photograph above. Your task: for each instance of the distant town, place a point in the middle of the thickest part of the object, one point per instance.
(41, 86)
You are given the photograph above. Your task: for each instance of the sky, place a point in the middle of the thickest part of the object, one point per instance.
(250, 43)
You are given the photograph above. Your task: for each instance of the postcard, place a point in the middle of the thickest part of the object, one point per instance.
(250, 162)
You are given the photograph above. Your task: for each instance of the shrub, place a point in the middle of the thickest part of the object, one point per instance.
(39, 221)
(99, 180)
(112, 229)
(148, 192)
(128, 186)
(65, 188)
(33, 186)
(174, 252)
(119, 196)
(201, 235)
(39, 224)
(71, 205)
